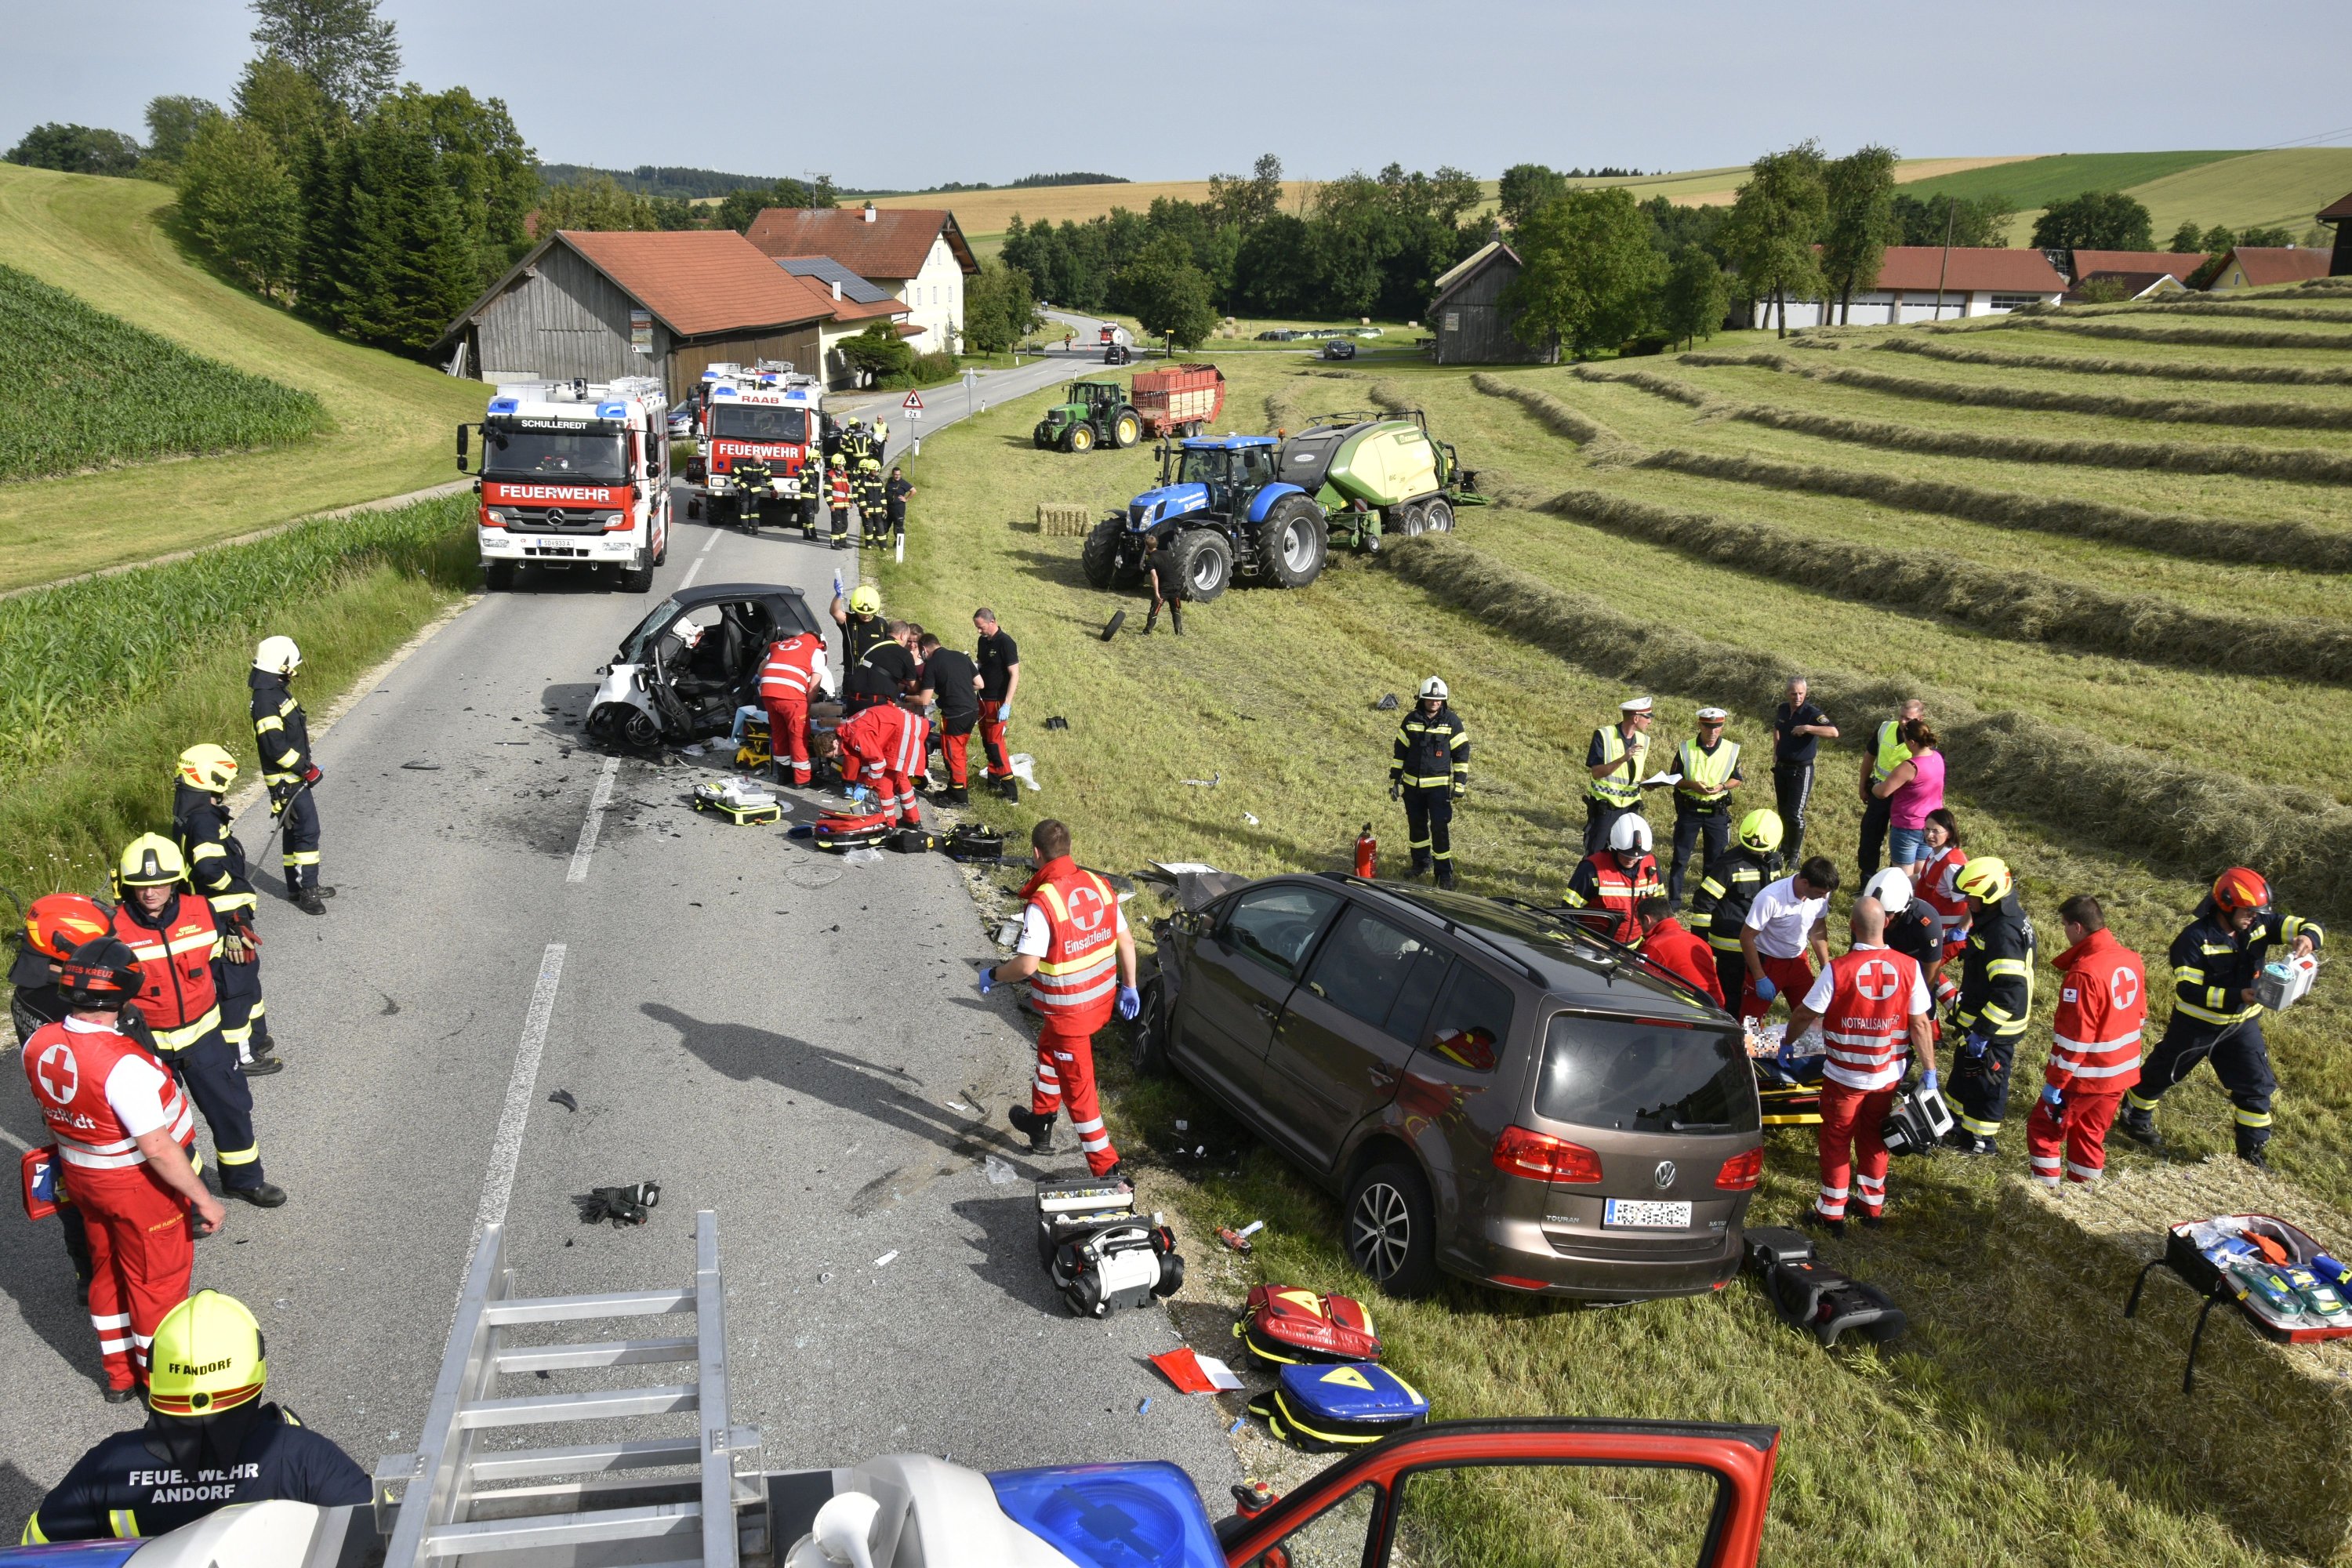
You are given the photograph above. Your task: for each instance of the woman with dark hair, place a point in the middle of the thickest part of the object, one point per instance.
(1935, 878)
(1911, 791)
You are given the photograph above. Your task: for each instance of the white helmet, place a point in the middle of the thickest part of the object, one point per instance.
(278, 655)
(1434, 687)
(1891, 887)
(1629, 833)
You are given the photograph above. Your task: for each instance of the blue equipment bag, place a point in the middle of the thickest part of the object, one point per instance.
(1326, 1408)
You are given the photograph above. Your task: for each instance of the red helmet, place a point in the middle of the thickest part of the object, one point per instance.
(59, 922)
(2239, 889)
(102, 977)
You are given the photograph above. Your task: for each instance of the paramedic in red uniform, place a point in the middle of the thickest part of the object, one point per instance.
(794, 665)
(885, 746)
(1617, 877)
(1872, 1001)
(2093, 1047)
(125, 1136)
(1680, 952)
(1078, 957)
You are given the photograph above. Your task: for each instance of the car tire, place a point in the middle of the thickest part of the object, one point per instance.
(1149, 1038)
(1100, 559)
(1125, 430)
(498, 576)
(1291, 542)
(1438, 514)
(1388, 1229)
(1205, 562)
(1079, 438)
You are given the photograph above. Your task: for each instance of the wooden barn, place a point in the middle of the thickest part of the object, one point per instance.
(2337, 215)
(1467, 315)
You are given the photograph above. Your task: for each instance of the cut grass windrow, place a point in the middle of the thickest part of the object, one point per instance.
(2194, 337)
(2044, 400)
(2302, 545)
(2304, 465)
(2253, 310)
(2189, 818)
(2024, 607)
(2085, 364)
(1602, 443)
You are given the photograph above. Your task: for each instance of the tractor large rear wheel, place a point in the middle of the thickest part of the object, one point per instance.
(1204, 562)
(1100, 559)
(1079, 438)
(1125, 430)
(1291, 542)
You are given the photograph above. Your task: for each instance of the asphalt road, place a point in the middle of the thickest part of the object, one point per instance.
(943, 405)
(762, 1029)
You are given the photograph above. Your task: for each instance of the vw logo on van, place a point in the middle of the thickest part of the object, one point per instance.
(1664, 1174)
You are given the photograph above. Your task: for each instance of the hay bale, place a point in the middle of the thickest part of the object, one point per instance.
(1065, 520)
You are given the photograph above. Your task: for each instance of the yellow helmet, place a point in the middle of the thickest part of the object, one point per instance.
(207, 1357)
(1985, 879)
(1760, 830)
(152, 861)
(209, 767)
(866, 600)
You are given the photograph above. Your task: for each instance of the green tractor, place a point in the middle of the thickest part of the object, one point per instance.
(1091, 414)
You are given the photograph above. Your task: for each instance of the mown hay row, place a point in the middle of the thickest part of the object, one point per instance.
(2025, 606)
(2253, 309)
(2296, 544)
(2191, 820)
(2086, 364)
(2194, 337)
(1599, 442)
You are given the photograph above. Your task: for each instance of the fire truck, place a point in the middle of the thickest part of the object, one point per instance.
(575, 475)
(766, 415)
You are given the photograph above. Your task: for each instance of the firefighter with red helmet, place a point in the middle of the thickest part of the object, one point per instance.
(2215, 1016)
(2094, 1048)
(1618, 877)
(216, 868)
(1078, 957)
(127, 1140)
(55, 925)
(178, 945)
(795, 666)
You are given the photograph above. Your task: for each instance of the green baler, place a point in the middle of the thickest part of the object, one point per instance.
(1378, 473)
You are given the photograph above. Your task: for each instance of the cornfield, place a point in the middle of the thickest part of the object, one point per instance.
(81, 389)
(2162, 370)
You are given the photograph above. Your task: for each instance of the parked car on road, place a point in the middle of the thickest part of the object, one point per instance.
(1491, 1089)
(1338, 348)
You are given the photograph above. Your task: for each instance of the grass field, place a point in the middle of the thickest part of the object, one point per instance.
(104, 241)
(2024, 1422)
(2037, 182)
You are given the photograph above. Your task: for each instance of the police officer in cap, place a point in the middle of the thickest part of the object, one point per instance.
(210, 1440)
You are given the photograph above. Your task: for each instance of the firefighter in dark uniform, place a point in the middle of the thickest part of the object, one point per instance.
(1720, 909)
(873, 521)
(753, 482)
(284, 737)
(2215, 963)
(1429, 767)
(200, 820)
(1995, 1003)
(210, 1440)
(859, 615)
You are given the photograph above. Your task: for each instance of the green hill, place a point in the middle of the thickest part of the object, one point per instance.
(2038, 182)
(103, 241)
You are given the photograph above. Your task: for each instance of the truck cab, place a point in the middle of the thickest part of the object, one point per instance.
(575, 475)
(759, 444)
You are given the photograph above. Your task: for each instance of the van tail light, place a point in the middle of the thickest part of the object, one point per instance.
(1523, 1151)
(1742, 1172)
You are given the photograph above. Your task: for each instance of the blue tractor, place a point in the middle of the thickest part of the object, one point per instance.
(1222, 513)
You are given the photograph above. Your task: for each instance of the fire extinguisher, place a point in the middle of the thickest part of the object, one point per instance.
(1367, 849)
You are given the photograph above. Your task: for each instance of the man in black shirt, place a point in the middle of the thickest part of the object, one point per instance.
(1798, 728)
(951, 681)
(895, 493)
(1000, 677)
(887, 673)
(1167, 585)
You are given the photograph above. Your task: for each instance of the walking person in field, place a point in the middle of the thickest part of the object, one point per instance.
(1798, 728)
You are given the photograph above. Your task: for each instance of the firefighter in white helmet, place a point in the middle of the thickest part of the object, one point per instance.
(1617, 877)
(283, 735)
(1428, 769)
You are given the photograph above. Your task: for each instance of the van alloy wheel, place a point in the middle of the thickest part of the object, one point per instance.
(1379, 1230)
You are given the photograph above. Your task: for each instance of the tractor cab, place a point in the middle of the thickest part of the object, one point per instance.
(1091, 414)
(1229, 470)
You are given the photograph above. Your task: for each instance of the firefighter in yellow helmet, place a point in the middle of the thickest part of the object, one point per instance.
(216, 870)
(1996, 1000)
(210, 1440)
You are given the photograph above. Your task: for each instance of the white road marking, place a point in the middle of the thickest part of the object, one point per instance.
(13, 1142)
(600, 798)
(506, 1148)
(691, 574)
(708, 543)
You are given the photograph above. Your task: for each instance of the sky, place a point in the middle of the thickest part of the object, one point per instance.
(920, 93)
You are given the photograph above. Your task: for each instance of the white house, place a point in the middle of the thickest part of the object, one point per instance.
(1926, 283)
(917, 255)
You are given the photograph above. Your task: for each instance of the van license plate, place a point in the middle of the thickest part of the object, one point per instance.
(1643, 1214)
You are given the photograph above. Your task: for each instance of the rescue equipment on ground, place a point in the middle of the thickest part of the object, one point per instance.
(1788, 1083)
(1917, 1122)
(910, 841)
(836, 832)
(1238, 1240)
(37, 1174)
(622, 1206)
(1368, 853)
(752, 750)
(2282, 1282)
(1190, 1372)
(971, 841)
(1810, 1295)
(1324, 1408)
(1101, 1253)
(1283, 1325)
(740, 801)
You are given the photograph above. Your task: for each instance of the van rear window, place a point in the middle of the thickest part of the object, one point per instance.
(1639, 1077)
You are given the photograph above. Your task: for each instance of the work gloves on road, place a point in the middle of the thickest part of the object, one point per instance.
(1129, 1001)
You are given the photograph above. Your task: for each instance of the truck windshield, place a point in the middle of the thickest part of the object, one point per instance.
(752, 422)
(540, 455)
(1643, 1077)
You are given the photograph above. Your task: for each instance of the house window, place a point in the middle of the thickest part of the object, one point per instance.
(2017, 301)
(1453, 321)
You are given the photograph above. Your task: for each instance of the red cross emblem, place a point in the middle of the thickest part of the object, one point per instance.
(1085, 909)
(2124, 986)
(1876, 979)
(59, 1073)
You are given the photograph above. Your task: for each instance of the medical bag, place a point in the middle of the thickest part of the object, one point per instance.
(1099, 1252)
(836, 832)
(1322, 1408)
(38, 1171)
(971, 841)
(909, 841)
(752, 750)
(1810, 1295)
(1283, 1324)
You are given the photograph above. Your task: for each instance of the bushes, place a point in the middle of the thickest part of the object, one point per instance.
(2162, 370)
(2189, 819)
(81, 389)
(2026, 606)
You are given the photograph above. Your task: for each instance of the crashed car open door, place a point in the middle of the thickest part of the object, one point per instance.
(1536, 1491)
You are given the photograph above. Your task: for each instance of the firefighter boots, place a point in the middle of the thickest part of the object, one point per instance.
(1445, 875)
(1038, 1129)
(2139, 1126)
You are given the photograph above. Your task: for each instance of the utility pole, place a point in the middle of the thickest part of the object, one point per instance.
(1951, 214)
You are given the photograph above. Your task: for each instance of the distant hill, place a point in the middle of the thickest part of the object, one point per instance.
(2239, 189)
(654, 180)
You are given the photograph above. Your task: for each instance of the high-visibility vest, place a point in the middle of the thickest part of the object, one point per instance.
(1706, 770)
(1616, 889)
(1892, 753)
(1078, 980)
(791, 669)
(885, 736)
(839, 488)
(1613, 788)
(2102, 1012)
(177, 997)
(1936, 884)
(68, 1069)
(1867, 1027)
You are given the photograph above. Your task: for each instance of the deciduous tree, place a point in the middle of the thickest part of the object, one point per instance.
(2188, 240)
(1859, 190)
(1695, 297)
(1526, 189)
(346, 49)
(172, 121)
(1774, 221)
(999, 308)
(1167, 294)
(2096, 220)
(1971, 224)
(594, 204)
(77, 150)
(1591, 277)
(241, 202)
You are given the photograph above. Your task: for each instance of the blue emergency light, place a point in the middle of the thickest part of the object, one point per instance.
(1139, 1515)
(502, 405)
(722, 392)
(611, 411)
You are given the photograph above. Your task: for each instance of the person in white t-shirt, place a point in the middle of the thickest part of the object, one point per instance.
(1786, 941)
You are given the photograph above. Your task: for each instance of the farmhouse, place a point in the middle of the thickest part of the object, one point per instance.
(599, 305)
(2084, 264)
(1468, 313)
(2260, 266)
(2133, 286)
(915, 253)
(1928, 282)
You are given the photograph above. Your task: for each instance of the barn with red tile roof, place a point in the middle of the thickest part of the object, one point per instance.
(2263, 266)
(1928, 282)
(916, 253)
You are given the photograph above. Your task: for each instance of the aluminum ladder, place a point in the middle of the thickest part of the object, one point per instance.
(578, 1508)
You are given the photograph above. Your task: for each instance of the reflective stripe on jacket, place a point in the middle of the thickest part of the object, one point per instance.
(68, 1068)
(177, 998)
(1706, 770)
(1720, 909)
(793, 666)
(1867, 1028)
(1889, 751)
(885, 736)
(1996, 973)
(2213, 966)
(1432, 750)
(279, 729)
(1615, 787)
(1599, 880)
(2102, 1008)
(1078, 980)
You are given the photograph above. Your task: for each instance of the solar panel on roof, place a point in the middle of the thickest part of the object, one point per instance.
(826, 270)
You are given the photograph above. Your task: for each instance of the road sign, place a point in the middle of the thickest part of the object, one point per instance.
(913, 403)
